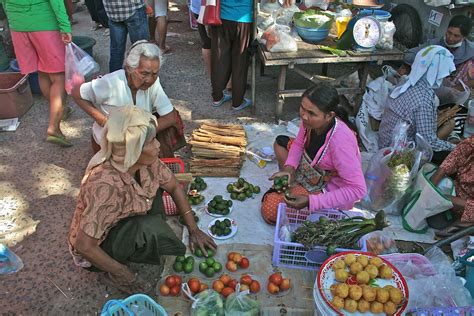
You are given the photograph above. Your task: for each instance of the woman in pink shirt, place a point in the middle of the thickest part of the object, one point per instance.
(324, 158)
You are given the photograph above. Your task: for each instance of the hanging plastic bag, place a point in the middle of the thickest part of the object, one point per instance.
(277, 39)
(240, 304)
(426, 200)
(448, 94)
(79, 65)
(210, 12)
(205, 303)
(386, 37)
(9, 261)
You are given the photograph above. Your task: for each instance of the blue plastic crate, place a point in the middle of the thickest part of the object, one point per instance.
(127, 306)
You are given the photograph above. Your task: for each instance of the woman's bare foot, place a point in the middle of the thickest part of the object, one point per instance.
(166, 49)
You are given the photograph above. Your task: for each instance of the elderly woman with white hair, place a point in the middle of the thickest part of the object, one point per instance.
(119, 216)
(137, 84)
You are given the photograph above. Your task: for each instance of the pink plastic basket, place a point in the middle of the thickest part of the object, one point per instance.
(294, 255)
(176, 165)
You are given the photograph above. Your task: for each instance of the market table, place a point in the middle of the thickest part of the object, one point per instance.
(308, 54)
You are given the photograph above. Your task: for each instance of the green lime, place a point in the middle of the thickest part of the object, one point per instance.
(227, 222)
(241, 197)
(248, 193)
(214, 230)
(188, 268)
(241, 181)
(180, 259)
(218, 198)
(284, 183)
(246, 186)
(217, 266)
(212, 203)
(229, 203)
(256, 189)
(178, 267)
(234, 195)
(225, 211)
(227, 231)
(218, 231)
(210, 261)
(203, 267)
(210, 272)
(210, 253)
(190, 260)
(230, 188)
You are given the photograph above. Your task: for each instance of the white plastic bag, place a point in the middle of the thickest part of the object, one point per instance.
(386, 37)
(241, 304)
(78, 64)
(207, 302)
(277, 39)
(447, 94)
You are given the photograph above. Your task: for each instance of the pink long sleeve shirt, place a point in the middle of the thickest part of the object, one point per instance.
(343, 156)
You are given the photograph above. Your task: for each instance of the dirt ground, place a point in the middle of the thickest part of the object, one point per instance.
(39, 181)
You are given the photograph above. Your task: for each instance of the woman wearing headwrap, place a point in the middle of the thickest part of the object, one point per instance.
(119, 216)
(415, 102)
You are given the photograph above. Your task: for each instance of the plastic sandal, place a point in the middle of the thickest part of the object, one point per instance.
(225, 98)
(58, 140)
(245, 104)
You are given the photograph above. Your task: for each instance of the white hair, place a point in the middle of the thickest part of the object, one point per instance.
(142, 49)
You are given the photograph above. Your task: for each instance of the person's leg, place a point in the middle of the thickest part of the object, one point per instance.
(439, 156)
(206, 47)
(152, 28)
(57, 97)
(240, 62)
(161, 15)
(91, 7)
(220, 58)
(137, 26)
(45, 84)
(118, 42)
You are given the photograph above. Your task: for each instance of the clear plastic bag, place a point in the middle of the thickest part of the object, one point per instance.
(206, 303)
(79, 65)
(443, 289)
(386, 37)
(9, 261)
(241, 304)
(277, 39)
(380, 244)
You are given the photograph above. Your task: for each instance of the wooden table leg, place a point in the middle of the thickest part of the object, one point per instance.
(362, 84)
(280, 88)
(254, 100)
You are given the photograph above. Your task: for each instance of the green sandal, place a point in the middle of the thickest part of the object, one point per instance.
(67, 113)
(58, 140)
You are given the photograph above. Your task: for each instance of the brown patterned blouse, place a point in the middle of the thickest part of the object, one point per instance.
(107, 196)
(460, 165)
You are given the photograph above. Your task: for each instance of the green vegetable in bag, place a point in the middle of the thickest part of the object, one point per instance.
(207, 303)
(240, 304)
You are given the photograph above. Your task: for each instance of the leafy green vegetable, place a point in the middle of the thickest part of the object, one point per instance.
(313, 19)
(334, 51)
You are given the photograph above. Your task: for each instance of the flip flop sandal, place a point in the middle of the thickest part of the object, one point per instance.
(58, 140)
(137, 285)
(67, 113)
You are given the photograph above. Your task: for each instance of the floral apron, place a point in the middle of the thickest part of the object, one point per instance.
(310, 180)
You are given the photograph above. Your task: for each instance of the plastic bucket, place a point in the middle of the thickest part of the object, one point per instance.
(85, 42)
(469, 271)
(33, 77)
(380, 15)
(15, 95)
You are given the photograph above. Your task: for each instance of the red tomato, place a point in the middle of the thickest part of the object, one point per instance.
(227, 291)
(244, 263)
(178, 280)
(254, 286)
(203, 287)
(237, 258)
(218, 285)
(285, 284)
(272, 288)
(170, 281)
(231, 255)
(164, 290)
(225, 278)
(276, 278)
(246, 279)
(232, 283)
(175, 290)
(231, 266)
(194, 285)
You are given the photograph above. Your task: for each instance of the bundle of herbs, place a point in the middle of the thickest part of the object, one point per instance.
(343, 233)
